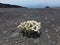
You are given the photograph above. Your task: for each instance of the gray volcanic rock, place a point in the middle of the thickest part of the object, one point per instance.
(11, 17)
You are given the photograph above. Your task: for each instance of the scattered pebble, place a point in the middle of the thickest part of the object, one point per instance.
(5, 32)
(53, 42)
(4, 44)
(56, 30)
(36, 40)
(46, 30)
(48, 36)
(0, 35)
(46, 18)
(16, 42)
(6, 40)
(14, 34)
(48, 22)
(58, 27)
(53, 25)
(52, 19)
(25, 15)
(16, 39)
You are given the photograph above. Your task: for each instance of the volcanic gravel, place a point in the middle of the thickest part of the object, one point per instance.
(10, 18)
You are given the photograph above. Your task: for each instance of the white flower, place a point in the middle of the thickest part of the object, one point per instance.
(30, 25)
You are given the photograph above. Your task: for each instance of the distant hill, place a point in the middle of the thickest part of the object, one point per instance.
(10, 6)
(47, 7)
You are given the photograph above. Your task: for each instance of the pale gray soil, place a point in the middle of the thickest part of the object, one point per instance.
(11, 17)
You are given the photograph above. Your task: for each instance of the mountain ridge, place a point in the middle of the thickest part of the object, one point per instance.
(10, 6)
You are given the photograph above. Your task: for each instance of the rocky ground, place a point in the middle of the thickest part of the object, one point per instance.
(11, 17)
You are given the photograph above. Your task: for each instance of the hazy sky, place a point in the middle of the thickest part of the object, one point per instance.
(33, 3)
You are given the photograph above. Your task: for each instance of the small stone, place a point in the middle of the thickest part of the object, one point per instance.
(7, 40)
(46, 18)
(16, 39)
(59, 28)
(48, 22)
(36, 40)
(0, 35)
(16, 42)
(46, 30)
(14, 34)
(5, 32)
(4, 44)
(53, 25)
(53, 42)
(25, 15)
(48, 36)
(56, 30)
(52, 19)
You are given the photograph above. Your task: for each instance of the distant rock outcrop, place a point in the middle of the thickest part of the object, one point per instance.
(47, 7)
(10, 6)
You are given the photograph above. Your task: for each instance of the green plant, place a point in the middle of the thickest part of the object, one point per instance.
(29, 26)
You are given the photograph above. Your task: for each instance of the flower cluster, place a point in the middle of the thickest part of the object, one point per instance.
(30, 25)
